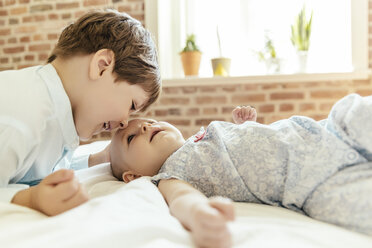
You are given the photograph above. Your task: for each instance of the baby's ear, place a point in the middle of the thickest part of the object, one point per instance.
(130, 176)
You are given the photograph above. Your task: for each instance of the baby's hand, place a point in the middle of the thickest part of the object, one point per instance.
(242, 114)
(57, 193)
(209, 223)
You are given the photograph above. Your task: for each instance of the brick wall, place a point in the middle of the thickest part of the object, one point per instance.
(29, 29)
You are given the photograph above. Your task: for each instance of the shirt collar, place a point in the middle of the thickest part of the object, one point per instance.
(62, 105)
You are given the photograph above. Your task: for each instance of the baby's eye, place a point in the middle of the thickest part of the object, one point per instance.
(130, 137)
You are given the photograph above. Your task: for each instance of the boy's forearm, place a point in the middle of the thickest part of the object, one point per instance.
(181, 198)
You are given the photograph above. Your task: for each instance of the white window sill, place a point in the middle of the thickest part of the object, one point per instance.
(280, 78)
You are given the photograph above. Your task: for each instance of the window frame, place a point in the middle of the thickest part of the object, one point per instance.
(170, 10)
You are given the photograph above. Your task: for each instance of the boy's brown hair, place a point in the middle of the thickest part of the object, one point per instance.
(135, 52)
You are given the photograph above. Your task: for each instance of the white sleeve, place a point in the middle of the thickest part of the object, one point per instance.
(16, 154)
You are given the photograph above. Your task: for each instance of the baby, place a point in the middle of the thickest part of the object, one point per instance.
(321, 169)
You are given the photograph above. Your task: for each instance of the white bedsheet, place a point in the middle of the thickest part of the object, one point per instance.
(135, 215)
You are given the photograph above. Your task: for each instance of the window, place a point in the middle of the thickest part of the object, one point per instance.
(338, 41)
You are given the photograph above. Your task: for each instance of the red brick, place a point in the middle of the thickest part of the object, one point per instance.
(328, 94)
(179, 122)
(269, 86)
(53, 17)
(18, 11)
(39, 18)
(25, 39)
(5, 31)
(286, 95)
(9, 2)
(38, 37)
(52, 36)
(307, 106)
(326, 106)
(23, 1)
(243, 99)
(66, 16)
(173, 100)
(188, 90)
(25, 66)
(162, 112)
(67, 5)
(210, 111)
(26, 19)
(17, 49)
(210, 99)
(266, 109)
(227, 110)
(171, 90)
(3, 13)
(40, 47)
(192, 111)
(12, 40)
(4, 60)
(43, 57)
(26, 29)
(87, 3)
(124, 8)
(364, 92)
(13, 21)
(205, 122)
(286, 107)
(207, 89)
(29, 57)
(40, 8)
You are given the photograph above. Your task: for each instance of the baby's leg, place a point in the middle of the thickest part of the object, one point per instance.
(351, 120)
(345, 199)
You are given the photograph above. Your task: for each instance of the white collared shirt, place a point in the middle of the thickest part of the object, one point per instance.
(37, 130)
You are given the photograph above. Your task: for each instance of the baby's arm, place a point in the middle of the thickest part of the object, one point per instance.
(205, 218)
(242, 114)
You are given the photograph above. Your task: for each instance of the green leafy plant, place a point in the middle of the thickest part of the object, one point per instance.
(268, 52)
(190, 44)
(301, 31)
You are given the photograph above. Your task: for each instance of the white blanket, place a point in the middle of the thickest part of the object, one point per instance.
(136, 215)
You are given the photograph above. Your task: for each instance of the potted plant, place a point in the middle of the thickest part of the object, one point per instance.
(301, 31)
(220, 65)
(190, 57)
(269, 56)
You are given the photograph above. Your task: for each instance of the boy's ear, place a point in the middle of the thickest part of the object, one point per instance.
(130, 176)
(102, 60)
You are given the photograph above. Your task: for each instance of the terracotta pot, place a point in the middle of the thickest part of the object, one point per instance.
(191, 63)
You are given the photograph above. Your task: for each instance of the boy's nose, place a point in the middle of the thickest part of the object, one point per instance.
(123, 124)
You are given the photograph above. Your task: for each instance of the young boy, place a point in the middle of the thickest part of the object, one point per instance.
(103, 69)
(321, 169)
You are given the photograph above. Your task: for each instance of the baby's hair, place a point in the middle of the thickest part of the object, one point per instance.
(135, 52)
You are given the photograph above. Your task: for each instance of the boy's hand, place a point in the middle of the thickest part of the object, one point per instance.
(208, 223)
(57, 193)
(242, 114)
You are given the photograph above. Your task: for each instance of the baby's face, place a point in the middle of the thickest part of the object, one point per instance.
(144, 146)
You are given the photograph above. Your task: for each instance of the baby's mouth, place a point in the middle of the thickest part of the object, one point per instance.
(154, 133)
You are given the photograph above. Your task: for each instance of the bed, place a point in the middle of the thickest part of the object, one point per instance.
(135, 215)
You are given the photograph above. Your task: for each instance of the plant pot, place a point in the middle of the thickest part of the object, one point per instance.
(272, 65)
(221, 66)
(301, 61)
(191, 63)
